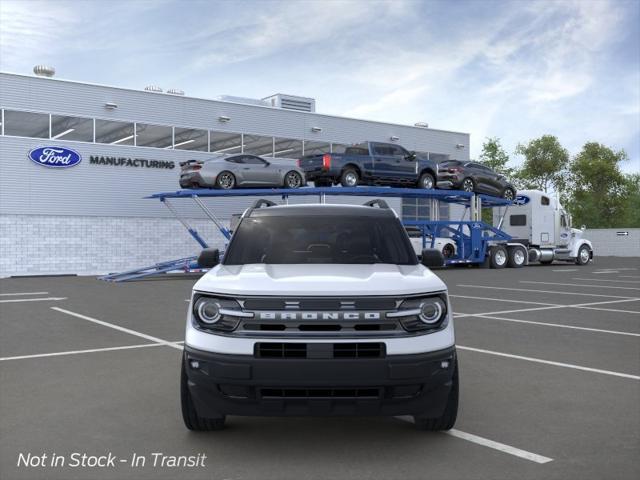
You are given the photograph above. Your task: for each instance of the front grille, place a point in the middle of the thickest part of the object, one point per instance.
(320, 392)
(358, 350)
(320, 304)
(319, 350)
(281, 350)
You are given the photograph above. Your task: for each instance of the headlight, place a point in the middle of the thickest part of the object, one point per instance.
(431, 310)
(208, 310)
(213, 313)
(418, 314)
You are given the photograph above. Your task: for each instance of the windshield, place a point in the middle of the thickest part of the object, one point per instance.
(320, 239)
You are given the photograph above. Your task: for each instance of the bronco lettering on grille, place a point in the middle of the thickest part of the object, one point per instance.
(319, 315)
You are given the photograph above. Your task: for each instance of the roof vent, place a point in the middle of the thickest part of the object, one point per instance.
(44, 71)
(292, 102)
(175, 91)
(244, 100)
(153, 88)
(421, 125)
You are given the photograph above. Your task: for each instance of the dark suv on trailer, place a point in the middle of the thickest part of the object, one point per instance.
(319, 310)
(474, 177)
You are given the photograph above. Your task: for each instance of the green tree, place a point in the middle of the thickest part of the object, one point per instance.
(495, 157)
(545, 164)
(599, 193)
(630, 216)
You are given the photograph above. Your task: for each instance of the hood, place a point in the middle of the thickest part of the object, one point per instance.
(320, 280)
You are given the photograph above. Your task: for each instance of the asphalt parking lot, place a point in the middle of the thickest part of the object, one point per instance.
(549, 371)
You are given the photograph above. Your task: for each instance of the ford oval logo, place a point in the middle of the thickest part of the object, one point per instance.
(55, 157)
(521, 200)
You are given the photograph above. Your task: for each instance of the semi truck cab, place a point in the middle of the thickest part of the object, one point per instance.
(540, 223)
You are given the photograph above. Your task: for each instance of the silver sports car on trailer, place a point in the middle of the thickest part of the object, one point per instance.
(233, 171)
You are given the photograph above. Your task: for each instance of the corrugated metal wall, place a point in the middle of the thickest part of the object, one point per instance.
(100, 190)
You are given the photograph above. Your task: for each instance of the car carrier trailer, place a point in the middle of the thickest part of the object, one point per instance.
(475, 241)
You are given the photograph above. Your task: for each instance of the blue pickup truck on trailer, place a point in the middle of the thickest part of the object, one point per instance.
(371, 163)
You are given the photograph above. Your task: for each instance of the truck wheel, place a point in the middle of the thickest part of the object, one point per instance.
(499, 257)
(468, 185)
(517, 257)
(448, 418)
(584, 255)
(349, 178)
(191, 418)
(226, 180)
(426, 181)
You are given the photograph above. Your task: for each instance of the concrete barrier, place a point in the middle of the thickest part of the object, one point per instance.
(615, 242)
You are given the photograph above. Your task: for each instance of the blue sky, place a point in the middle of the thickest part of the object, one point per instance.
(511, 69)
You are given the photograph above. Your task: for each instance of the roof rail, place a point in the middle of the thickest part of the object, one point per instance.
(259, 204)
(372, 203)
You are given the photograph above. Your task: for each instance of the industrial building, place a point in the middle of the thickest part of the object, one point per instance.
(92, 217)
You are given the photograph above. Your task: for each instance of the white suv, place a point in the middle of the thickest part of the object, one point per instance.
(319, 310)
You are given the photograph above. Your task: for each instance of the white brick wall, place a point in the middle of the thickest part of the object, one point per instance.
(607, 242)
(42, 245)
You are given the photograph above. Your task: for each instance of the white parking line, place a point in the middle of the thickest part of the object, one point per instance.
(605, 272)
(75, 352)
(118, 327)
(23, 293)
(554, 306)
(19, 300)
(485, 442)
(558, 325)
(503, 300)
(629, 276)
(580, 285)
(528, 290)
(606, 280)
(631, 312)
(549, 362)
(566, 270)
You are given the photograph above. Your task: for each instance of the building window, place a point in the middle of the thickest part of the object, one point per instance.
(316, 148)
(71, 128)
(157, 136)
(419, 209)
(191, 139)
(258, 145)
(438, 157)
(26, 124)
(287, 148)
(226, 143)
(115, 133)
(338, 148)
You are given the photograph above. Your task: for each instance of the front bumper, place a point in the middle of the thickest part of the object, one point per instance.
(417, 384)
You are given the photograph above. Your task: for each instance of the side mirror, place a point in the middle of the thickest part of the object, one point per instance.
(209, 258)
(432, 257)
(411, 156)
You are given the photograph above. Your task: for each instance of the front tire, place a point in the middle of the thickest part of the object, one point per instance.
(448, 419)
(226, 180)
(426, 182)
(508, 194)
(191, 419)
(349, 178)
(584, 255)
(293, 179)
